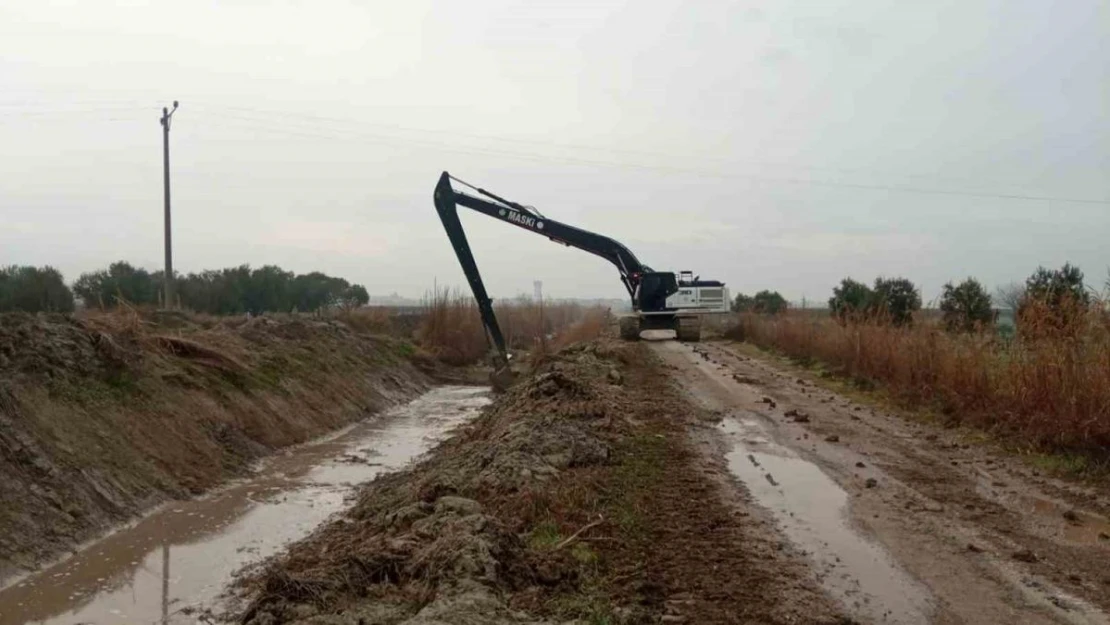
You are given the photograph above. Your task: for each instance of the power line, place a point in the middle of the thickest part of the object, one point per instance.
(345, 123)
(263, 124)
(310, 126)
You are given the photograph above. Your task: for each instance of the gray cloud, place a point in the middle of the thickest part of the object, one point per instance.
(775, 146)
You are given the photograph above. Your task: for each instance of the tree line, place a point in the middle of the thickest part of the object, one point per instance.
(233, 290)
(1049, 298)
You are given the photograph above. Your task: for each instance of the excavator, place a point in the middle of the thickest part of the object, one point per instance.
(661, 300)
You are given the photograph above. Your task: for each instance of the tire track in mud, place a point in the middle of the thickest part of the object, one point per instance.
(958, 519)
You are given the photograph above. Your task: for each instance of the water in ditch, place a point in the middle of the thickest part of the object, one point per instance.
(171, 565)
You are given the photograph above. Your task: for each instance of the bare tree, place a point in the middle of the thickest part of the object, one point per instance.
(1010, 295)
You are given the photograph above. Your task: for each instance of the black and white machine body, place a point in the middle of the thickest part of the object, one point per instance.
(659, 299)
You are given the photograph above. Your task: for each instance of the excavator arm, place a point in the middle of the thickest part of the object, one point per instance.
(447, 199)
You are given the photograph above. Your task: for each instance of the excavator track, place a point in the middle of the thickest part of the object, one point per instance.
(688, 329)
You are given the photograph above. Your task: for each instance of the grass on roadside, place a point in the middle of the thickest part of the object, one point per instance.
(1052, 454)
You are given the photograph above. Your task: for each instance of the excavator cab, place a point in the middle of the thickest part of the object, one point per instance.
(654, 289)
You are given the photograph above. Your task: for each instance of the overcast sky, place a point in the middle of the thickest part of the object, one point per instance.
(779, 145)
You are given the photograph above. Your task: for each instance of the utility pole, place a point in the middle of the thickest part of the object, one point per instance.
(167, 277)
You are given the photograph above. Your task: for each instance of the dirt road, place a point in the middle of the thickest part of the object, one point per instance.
(902, 522)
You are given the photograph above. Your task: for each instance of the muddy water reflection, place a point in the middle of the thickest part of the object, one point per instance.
(813, 513)
(178, 559)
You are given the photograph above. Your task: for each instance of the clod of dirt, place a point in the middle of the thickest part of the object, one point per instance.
(1025, 555)
(767, 400)
(797, 415)
(743, 379)
(832, 438)
(860, 465)
(615, 376)
(1071, 516)
(459, 505)
(1103, 536)
(871, 482)
(973, 548)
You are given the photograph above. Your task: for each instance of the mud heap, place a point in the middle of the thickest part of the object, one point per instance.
(105, 415)
(576, 496)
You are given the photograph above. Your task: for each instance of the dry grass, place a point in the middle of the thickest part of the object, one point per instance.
(1049, 388)
(450, 326)
(447, 324)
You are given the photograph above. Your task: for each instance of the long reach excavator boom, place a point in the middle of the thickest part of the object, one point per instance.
(659, 299)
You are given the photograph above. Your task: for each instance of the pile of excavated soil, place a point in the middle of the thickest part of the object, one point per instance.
(578, 495)
(103, 416)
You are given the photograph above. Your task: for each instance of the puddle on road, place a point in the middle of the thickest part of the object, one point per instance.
(1070, 525)
(179, 558)
(812, 511)
(1052, 517)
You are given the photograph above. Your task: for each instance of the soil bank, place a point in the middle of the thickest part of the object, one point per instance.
(103, 416)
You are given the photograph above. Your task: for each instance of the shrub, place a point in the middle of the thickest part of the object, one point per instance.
(742, 303)
(1057, 287)
(1055, 302)
(850, 300)
(121, 281)
(233, 290)
(34, 289)
(768, 302)
(896, 299)
(966, 307)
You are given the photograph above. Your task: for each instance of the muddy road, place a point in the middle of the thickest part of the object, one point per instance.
(616, 483)
(899, 521)
(171, 566)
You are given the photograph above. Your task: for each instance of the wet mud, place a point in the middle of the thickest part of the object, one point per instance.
(172, 565)
(985, 538)
(812, 511)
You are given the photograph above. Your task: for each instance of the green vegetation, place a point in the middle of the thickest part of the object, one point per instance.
(765, 302)
(892, 299)
(1054, 302)
(966, 307)
(34, 289)
(850, 300)
(234, 290)
(1057, 288)
(240, 289)
(897, 299)
(120, 282)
